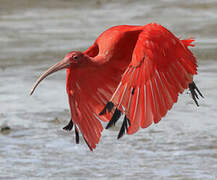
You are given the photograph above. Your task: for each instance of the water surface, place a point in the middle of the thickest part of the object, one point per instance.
(36, 34)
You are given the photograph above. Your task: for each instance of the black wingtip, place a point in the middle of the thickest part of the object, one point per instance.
(124, 127)
(133, 91)
(76, 135)
(108, 107)
(115, 117)
(198, 90)
(194, 92)
(69, 126)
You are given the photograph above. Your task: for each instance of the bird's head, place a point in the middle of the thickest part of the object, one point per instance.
(74, 59)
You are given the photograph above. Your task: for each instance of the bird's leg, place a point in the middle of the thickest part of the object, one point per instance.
(69, 126)
(194, 92)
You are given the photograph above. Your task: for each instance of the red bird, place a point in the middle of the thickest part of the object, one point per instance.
(134, 71)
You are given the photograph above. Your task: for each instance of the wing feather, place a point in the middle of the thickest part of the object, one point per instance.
(92, 121)
(169, 87)
(148, 112)
(142, 79)
(167, 99)
(161, 68)
(159, 99)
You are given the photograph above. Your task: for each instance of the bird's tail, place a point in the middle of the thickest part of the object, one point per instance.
(188, 42)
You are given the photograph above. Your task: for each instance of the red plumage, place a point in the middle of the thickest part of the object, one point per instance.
(137, 71)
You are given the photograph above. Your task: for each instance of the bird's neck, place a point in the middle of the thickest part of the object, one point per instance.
(98, 60)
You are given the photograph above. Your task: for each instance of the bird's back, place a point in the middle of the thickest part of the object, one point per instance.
(118, 43)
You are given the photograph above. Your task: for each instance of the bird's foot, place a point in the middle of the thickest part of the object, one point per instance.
(195, 92)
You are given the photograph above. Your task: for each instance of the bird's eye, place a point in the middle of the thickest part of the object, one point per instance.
(75, 57)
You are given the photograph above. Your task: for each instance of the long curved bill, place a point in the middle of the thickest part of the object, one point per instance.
(58, 66)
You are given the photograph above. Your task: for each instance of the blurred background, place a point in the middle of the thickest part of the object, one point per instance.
(36, 34)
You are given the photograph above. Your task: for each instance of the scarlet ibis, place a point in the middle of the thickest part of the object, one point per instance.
(133, 73)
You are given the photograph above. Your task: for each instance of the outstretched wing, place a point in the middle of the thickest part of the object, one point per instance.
(142, 80)
(95, 86)
(162, 67)
(94, 90)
